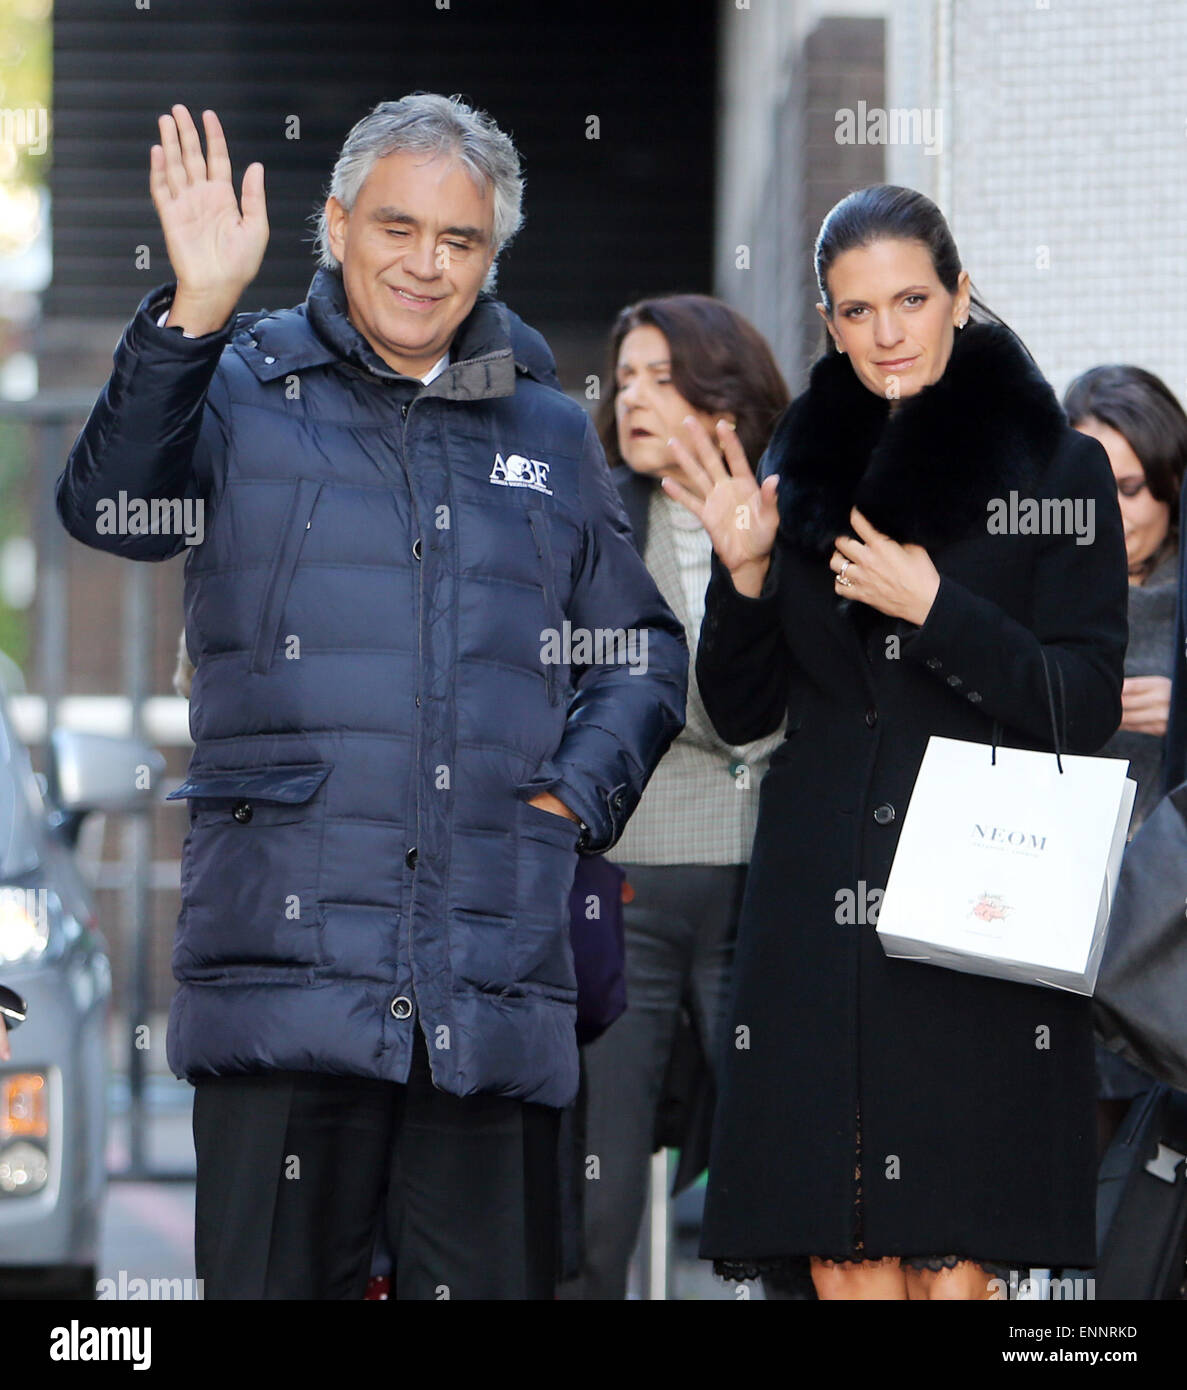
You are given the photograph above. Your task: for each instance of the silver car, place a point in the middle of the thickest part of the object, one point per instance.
(53, 1087)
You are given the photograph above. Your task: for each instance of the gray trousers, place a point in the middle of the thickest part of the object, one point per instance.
(680, 929)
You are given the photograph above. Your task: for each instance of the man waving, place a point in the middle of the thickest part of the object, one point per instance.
(393, 771)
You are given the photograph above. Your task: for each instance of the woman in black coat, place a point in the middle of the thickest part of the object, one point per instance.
(912, 1129)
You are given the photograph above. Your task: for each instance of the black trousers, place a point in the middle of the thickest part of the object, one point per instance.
(297, 1169)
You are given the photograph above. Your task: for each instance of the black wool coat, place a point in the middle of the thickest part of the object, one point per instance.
(966, 1102)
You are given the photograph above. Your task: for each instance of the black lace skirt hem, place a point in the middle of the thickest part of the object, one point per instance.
(786, 1267)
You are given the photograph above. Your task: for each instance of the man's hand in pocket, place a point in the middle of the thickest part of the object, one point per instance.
(547, 802)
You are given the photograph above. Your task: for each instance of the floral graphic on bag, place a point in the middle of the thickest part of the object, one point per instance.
(990, 907)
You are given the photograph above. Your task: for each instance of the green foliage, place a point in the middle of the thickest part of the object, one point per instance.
(15, 440)
(26, 63)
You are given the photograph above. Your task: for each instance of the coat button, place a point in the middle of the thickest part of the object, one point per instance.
(954, 681)
(871, 716)
(416, 548)
(616, 801)
(884, 814)
(242, 811)
(410, 858)
(933, 663)
(401, 1006)
(973, 697)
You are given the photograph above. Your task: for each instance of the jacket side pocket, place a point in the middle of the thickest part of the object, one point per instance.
(251, 868)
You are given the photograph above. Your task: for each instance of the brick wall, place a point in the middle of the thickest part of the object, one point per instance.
(1063, 168)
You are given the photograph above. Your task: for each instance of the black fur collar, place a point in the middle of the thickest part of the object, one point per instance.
(923, 474)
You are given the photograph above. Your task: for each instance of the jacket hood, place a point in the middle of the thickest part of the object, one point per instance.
(491, 346)
(924, 473)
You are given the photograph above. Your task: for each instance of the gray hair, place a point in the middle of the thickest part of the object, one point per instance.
(429, 124)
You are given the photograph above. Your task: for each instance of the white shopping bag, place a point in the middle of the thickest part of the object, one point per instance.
(1007, 866)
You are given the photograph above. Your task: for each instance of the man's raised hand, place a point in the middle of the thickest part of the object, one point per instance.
(215, 249)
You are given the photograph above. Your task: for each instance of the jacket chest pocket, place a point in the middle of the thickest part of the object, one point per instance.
(251, 867)
(297, 521)
(553, 538)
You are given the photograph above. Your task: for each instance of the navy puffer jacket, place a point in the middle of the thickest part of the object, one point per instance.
(368, 611)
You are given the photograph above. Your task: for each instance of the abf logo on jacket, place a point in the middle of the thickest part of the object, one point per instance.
(517, 471)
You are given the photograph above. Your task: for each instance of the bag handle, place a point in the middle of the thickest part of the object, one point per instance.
(1056, 741)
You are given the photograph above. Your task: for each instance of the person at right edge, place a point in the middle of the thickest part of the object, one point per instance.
(1143, 429)
(915, 1131)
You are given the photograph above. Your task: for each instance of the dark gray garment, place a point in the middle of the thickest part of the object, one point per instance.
(1150, 653)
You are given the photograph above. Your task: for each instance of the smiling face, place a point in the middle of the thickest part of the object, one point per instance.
(414, 250)
(648, 409)
(892, 317)
(1145, 518)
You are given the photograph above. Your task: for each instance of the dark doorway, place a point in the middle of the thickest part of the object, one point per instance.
(609, 219)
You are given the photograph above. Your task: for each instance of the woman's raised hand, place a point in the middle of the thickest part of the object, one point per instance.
(215, 249)
(720, 489)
